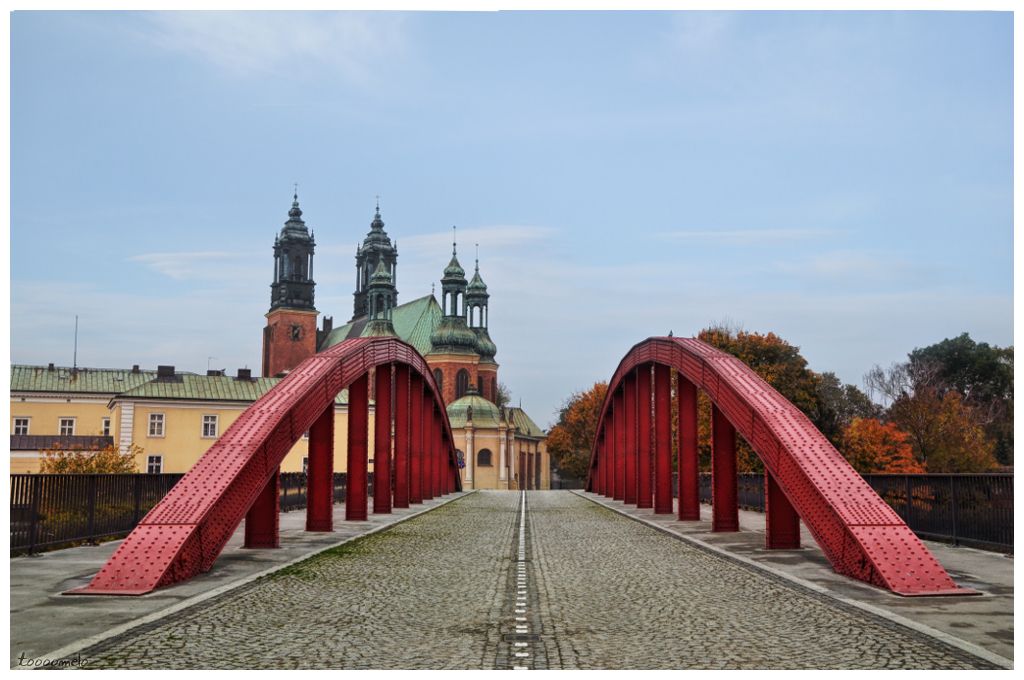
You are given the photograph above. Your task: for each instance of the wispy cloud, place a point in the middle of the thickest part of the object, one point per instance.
(280, 43)
(201, 265)
(747, 237)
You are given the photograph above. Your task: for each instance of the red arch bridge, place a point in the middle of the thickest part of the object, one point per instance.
(806, 478)
(238, 477)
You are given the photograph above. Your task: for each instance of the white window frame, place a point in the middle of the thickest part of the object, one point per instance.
(60, 426)
(216, 426)
(28, 425)
(155, 418)
(105, 426)
(159, 459)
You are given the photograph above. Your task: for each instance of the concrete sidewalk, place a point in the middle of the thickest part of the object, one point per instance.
(46, 624)
(980, 624)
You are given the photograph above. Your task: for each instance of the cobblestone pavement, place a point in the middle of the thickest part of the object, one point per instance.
(587, 588)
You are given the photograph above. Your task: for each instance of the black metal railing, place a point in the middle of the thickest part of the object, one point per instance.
(50, 511)
(975, 510)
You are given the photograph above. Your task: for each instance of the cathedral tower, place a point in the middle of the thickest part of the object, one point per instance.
(376, 248)
(290, 334)
(453, 355)
(477, 316)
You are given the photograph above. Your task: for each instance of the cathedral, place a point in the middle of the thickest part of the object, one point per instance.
(498, 447)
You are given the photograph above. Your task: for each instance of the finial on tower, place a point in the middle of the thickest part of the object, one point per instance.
(295, 196)
(477, 258)
(453, 240)
(378, 205)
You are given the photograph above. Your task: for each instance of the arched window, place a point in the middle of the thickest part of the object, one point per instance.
(480, 386)
(439, 379)
(483, 458)
(461, 383)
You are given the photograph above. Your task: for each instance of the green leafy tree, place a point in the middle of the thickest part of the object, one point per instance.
(80, 460)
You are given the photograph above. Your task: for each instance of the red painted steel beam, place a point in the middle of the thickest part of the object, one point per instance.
(662, 439)
(382, 442)
(859, 533)
(263, 519)
(403, 440)
(416, 435)
(186, 531)
(782, 524)
(688, 462)
(629, 399)
(725, 511)
(358, 448)
(620, 445)
(426, 448)
(645, 454)
(320, 473)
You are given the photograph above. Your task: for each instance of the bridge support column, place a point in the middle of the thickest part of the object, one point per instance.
(629, 497)
(358, 443)
(261, 522)
(320, 473)
(644, 492)
(620, 459)
(597, 474)
(402, 441)
(782, 524)
(427, 445)
(416, 437)
(725, 510)
(688, 463)
(435, 456)
(382, 442)
(663, 440)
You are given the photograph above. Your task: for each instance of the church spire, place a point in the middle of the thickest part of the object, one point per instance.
(375, 249)
(293, 262)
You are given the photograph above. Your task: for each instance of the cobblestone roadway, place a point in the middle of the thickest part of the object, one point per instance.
(605, 592)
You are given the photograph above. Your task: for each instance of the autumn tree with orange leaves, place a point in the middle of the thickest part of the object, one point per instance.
(570, 440)
(873, 446)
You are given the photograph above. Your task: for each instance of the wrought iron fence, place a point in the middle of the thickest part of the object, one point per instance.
(50, 511)
(963, 509)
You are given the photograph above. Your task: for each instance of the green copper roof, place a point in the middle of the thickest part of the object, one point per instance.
(524, 423)
(413, 323)
(83, 380)
(454, 270)
(485, 414)
(208, 388)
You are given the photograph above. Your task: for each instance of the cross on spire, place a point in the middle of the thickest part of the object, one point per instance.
(453, 240)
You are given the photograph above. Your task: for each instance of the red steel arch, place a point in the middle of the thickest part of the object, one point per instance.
(805, 477)
(238, 476)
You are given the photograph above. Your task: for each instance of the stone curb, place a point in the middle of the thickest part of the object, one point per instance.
(123, 628)
(962, 645)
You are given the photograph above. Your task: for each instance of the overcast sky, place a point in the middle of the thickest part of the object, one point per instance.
(842, 179)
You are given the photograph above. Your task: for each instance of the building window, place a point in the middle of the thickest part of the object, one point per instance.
(461, 383)
(21, 426)
(209, 426)
(483, 458)
(439, 379)
(480, 385)
(155, 465)
(305, 466)
(305, 435)
(156, 425)
(105, 427)
(67, 427)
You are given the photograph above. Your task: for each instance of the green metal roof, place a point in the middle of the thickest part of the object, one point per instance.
(485, 414)
(413, 321)
(524, 423)
(83, 380)
(209, 388)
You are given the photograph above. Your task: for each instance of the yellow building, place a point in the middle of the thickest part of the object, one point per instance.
(500, 448)
(175, 417)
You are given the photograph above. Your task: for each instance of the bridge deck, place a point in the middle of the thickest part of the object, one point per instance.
(478, 583)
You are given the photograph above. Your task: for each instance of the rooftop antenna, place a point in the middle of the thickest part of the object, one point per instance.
(74, 361)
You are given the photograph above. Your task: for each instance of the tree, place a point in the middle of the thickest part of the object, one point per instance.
(944, 432)
(873, 446)
(503, 397)
(838, 406)
(570, 440)
(79, 460)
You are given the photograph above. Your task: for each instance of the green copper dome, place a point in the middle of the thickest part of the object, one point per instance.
(473, 407)
(454, 270)
(485, 347)
(453, 335)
